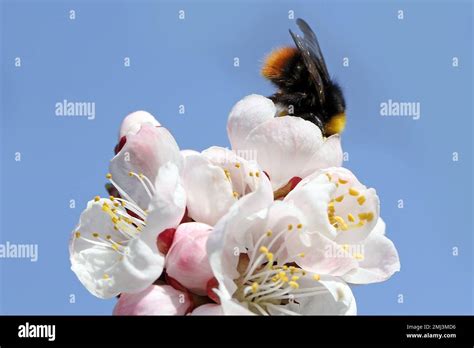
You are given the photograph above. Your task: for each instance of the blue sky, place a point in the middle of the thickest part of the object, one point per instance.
(190, 62)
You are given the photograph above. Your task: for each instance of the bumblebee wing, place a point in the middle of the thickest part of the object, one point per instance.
(312, 43)
(311, 65)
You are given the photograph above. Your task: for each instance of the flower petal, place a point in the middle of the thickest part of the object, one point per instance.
(246, 115)
(132, 123)
(311, 196)
(208, 309)
(154, 300)
(168, 204)
(243, 173)
(209, 191)
(233, 307)
(329, 155)
(144, 152)
(321, 254)
(380, 261)
(336, 298)
(284, 146)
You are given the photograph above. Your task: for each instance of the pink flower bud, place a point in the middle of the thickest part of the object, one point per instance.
(154, 300)
(133, 121)
(187, 260)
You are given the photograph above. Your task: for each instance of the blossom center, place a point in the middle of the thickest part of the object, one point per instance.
(269, 279)
(341, 212)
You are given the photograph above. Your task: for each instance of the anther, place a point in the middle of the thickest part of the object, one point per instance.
(293, 284)
(254, 287)
(339, 199)
(353, 192)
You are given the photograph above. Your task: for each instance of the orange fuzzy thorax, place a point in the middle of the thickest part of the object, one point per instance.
(276, 61)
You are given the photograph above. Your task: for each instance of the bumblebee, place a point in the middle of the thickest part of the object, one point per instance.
(305, 88)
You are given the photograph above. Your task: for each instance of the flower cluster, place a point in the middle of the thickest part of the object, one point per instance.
(274, 226)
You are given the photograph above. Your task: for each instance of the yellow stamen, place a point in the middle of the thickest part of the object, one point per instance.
(96, 198)
(353, 192)
(294, 284)
(108, 176)
(316, 277)
(263, 249)
(370, 216)
(359, 256)
(339, 220)
(339, 199)
(350, 217)
(77, 234)
(361, 200)
(342, 182)
(254, 287)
